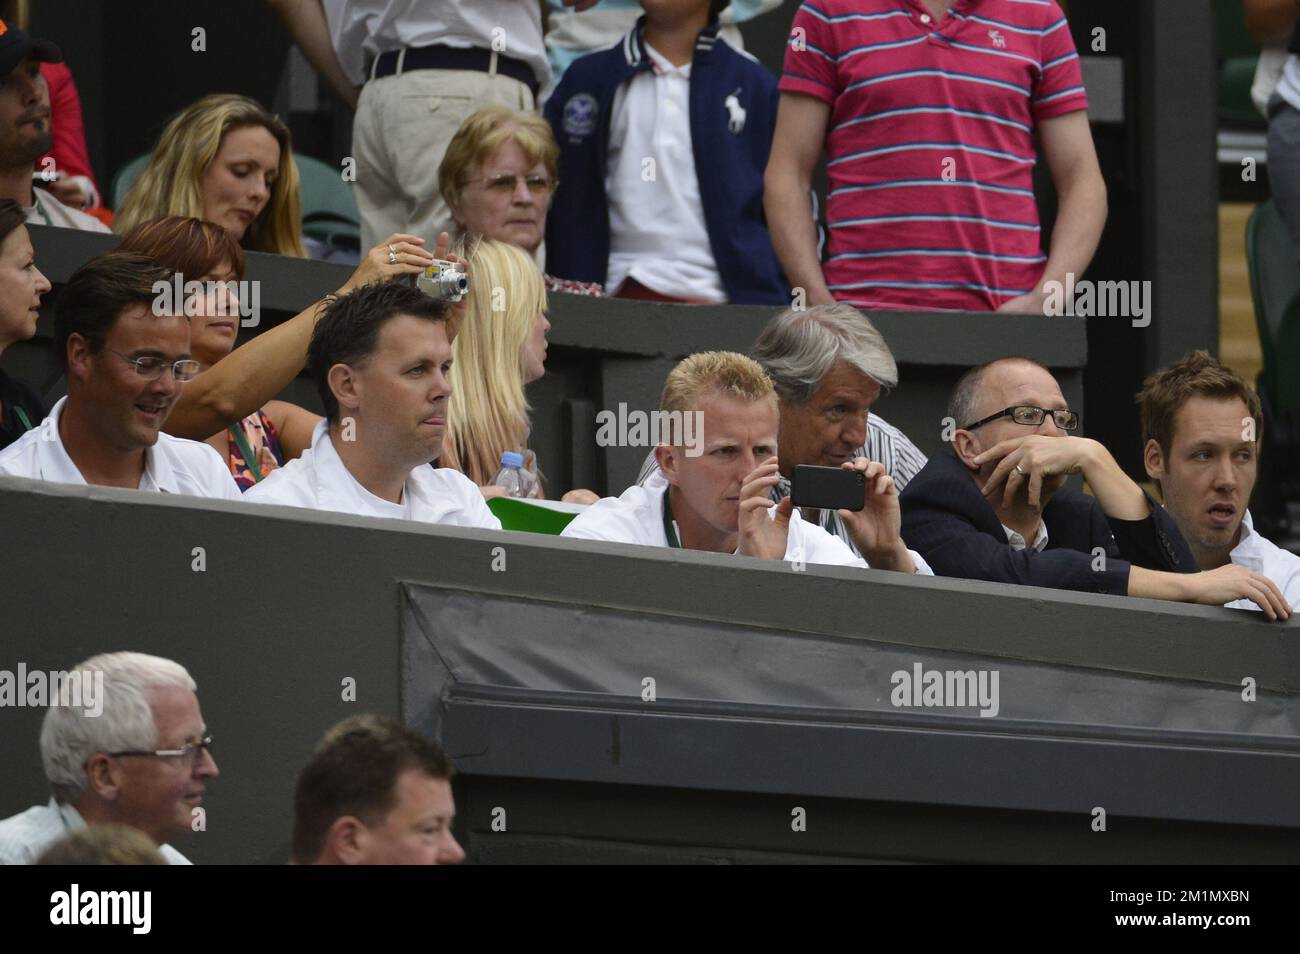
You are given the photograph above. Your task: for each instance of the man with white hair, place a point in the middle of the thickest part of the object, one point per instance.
(142, 760)
(829, 365)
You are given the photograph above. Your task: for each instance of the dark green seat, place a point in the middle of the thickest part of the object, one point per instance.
(1274, 284)
(1275, 289)
(1238, 56)
(329, 208)
(125, 178)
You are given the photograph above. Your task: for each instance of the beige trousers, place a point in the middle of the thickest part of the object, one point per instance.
(402, 126)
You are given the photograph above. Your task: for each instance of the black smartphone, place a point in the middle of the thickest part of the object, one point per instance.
(827, 488)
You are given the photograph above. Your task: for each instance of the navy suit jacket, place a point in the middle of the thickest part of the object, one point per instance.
(947, 520)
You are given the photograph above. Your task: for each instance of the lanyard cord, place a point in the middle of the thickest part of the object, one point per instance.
(250, 458)
(670, 531)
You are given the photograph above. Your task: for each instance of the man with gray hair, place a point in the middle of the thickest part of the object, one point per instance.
(829, 365)
(142, 761)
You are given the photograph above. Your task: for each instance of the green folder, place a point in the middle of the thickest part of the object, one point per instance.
(534, 516)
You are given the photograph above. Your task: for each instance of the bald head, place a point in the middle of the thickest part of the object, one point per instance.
(988, 388)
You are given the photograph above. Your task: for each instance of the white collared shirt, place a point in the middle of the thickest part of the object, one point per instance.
(657, 233)
(638, 517)
(1017, 541)
(362, 29)
(25, 836)
(1257, 553)
(319, 480)
(171, 466)
(50, 211)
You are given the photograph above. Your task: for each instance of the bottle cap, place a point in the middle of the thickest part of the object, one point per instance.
(512, 459)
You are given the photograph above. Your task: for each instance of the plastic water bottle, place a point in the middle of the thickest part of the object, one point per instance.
(512, 476)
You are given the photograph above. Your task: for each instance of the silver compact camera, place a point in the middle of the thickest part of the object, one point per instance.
(443, 280)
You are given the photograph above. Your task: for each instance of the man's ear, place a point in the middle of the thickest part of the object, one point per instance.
(102, 777)
(1153, 459)
(79, 355)
(343, 382)
(347, 840)
(967, 447)
(666, 458)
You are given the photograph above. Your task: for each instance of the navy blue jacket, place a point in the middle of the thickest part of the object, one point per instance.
(947, 520)
(729, 165)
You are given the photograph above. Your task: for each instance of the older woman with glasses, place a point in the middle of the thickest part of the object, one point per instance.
(498, 176)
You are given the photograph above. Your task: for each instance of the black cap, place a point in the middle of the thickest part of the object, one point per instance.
(16, 45)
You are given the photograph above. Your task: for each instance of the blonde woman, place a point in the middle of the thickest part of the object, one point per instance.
(228, 161)
(499, 347)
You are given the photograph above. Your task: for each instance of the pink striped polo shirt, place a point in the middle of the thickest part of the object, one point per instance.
(930, 143)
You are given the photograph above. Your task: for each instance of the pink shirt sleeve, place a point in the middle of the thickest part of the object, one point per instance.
(1059, 89)
(810, 54)
(69, 147)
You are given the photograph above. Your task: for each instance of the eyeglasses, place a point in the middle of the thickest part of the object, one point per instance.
(506, 184)
(187, 753)
(151, 367)
(1031, 416)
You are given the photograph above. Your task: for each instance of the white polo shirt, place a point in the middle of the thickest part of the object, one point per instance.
(1262, 555)
(657, 232)
(25, 836)
(48, 210)
(638, 517)
(319, 480)
(171, 466)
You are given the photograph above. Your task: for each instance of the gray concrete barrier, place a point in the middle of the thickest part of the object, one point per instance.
(526, 657)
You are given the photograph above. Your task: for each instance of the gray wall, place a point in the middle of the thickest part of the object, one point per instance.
(293, 602)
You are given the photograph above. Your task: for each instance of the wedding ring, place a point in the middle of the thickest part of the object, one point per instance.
(392, 256)
(1020, 472)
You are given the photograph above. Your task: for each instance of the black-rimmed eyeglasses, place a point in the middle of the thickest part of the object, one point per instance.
(1031, 416)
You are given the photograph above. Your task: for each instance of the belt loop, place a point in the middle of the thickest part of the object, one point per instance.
(401, 58)
(374, 66)
(492, 64)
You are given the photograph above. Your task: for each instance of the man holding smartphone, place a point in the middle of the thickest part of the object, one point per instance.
(719, 500)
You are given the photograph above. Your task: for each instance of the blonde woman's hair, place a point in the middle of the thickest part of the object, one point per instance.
(488, 412)
(709, 373)
(169, 184)
(482, 134)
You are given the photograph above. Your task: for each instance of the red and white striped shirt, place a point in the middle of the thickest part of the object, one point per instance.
(930, 143)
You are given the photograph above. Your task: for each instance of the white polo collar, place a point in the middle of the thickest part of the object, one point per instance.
(1249, 550)
(55, 464)
(337, 489)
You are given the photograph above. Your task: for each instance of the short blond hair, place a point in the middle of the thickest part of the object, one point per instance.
(710, 373)
(482, 134)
